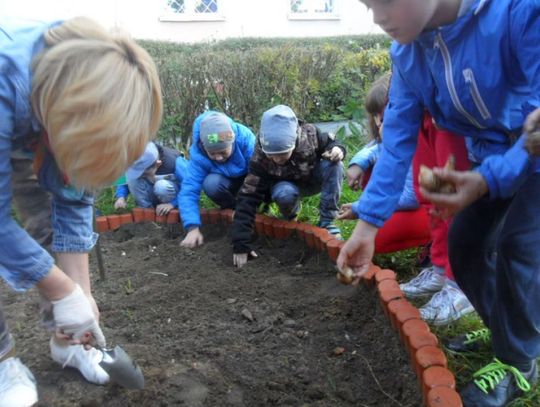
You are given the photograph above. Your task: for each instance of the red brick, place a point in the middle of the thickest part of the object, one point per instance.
(138, 215)
(443, 397)
(114, 222)
(102, 225)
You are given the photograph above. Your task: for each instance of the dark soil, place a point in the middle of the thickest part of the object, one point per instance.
(206, 334)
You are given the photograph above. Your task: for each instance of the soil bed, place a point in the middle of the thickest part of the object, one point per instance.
(280, 332)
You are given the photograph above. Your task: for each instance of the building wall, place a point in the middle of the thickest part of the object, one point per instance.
(239, 18)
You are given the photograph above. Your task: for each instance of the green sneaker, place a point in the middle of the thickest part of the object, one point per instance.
(470, 342)
(497, 384)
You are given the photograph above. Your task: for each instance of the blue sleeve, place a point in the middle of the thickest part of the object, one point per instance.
(23, 262)
(248, 142)
(504, 173)
(190, 190)
(366, 157)
(402, 119)
(408, 200)
(122, 191)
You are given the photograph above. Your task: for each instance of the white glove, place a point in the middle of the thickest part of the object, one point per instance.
(73, 316)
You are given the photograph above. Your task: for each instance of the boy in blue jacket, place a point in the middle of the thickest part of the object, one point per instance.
(154, 179)
(219, 159)
(475, 65)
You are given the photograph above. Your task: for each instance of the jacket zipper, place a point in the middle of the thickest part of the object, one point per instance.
(480, 105)
(439, 42)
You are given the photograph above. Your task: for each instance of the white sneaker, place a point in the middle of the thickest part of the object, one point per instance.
(85, 361)
(448, 305)
(428, 282)
(17, 384)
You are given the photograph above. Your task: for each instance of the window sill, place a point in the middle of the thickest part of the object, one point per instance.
(198, 17)
(313, 17)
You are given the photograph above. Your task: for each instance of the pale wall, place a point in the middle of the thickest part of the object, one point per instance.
(243, 18)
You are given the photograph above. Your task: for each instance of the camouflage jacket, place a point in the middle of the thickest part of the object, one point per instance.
(263, 173)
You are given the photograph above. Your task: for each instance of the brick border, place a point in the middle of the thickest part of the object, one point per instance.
(427, 359)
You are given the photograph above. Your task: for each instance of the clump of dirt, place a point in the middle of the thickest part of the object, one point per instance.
(279, 332)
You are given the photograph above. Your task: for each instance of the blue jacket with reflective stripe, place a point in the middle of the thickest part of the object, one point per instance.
(479, 77)
(200, 165)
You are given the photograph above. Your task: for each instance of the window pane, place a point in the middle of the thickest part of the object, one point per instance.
(176, 6)
(299, 6)
(206, 6)
(323, 6)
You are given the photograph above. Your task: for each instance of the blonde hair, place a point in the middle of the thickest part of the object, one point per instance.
(376, 101)
(98, 97)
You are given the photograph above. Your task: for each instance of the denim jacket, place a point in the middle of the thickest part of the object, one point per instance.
(23, 262)
(479, 77)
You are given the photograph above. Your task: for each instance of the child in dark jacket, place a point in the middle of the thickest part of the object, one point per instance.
(291, 159)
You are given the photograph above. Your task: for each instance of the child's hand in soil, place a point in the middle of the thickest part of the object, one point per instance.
(346, 212)
(163, 209)
(239, 259)
(193, 239)
(358, 250)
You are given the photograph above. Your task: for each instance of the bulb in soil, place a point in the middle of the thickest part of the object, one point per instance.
(431, 182)
(345, 276)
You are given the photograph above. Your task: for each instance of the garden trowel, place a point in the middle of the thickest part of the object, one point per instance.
(121, 368)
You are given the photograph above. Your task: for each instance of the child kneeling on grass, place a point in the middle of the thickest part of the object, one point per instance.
(219, 160)
(154, 179)
(85, 103)
(291, 159)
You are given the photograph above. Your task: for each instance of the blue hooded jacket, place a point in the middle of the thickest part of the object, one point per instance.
(479, 77)
(200, 165)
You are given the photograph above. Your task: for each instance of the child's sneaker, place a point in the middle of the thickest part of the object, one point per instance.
(428, 282)
(448, 305)
(332, 229)
(497, 384)
(469, 342)
(85, 361)
(17, 384)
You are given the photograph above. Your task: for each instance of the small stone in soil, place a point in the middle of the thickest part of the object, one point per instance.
(231, 300)
(289, 322)
(247, 315)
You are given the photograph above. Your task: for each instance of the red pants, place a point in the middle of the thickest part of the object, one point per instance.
(408, 229)
(404, 230)
(434, 147)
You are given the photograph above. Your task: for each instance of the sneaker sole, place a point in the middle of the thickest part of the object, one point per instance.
(447, 321)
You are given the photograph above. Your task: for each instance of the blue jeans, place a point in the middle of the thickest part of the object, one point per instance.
(222, 190)
(494, 251)
(327, 179)
(148, 195)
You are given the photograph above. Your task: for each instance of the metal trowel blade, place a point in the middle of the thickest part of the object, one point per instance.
(121, 368)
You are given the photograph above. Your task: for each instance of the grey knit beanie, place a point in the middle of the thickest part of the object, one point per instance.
(216, 132)
(279, 130)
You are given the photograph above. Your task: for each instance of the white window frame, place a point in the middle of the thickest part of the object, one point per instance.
(312, 15)
(190, 14)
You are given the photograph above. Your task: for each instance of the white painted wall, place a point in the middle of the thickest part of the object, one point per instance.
(241, 18)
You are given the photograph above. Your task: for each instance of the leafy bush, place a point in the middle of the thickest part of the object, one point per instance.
(322, 79)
